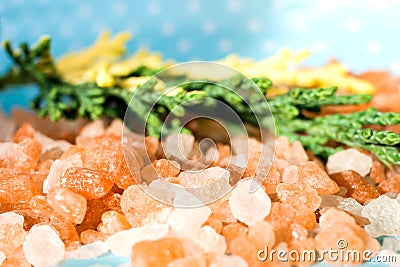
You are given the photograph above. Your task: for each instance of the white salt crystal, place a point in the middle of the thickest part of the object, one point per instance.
(43, 247)
(188, 220)
(384, 214)
(249, 207)
(89, 251)
(209, 240)
(351, 205)
(48, 143)
(231, 261)
(11, 218)
(2, 257)
(121, 243)
(163, 191)
(391, 243)
(349, 159)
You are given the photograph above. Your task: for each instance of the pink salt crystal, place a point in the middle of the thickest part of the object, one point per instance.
(349, 159)
(301, 197)
(178, 147)
(122, 242)
(289, 175)
(148, 174)
(16, 259)
(209, 240)
(315, 177)
(139, 208)
(282, 144)
(383, 214)
(297, 154)
(203, 177)
(113, 222)
(12, 156)
(231, 261)
(15, 187)
(12, 233)
(90, 130)
(68, 204)
(116, 127)
(262, 234)
(332, 217)
(224, 213)
(48, 143)
(249, 207)
(43, 247)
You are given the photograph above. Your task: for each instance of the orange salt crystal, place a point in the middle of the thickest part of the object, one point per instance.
(44, 166)
(166, 168)
(113, 201)
(312, 175)
(12, 156)
(356, 186)
(25, 131)
(67, 204)
(138, 207)
(32, 148)
(12, 233)
(331, 217)
(301, 247)
(157, 253)
(390, 185)
(306, 219)
(298, 231)
(223, 212)
(88, 183)
(377, 172)
(40, 204)
(244, 247)
(272, 180)
(16, 259)
(232, 230)
(16, 188)
(151, 144)
(113, 222)
(290, 174)
(262, 234)
(91, 236)
(302, 197)
(281, 217)
(215, 223)
(125, 167)
(95, 208)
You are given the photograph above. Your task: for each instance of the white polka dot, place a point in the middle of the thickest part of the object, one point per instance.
(154, 8)
(319, 47)
(269, 46)
(234, 5)
(193, 6)
(119, 8)
(353, 25)
(225, 45)
(67, 29)
(168, 28)
(208, 27)
(85, 11)
(373, 47)
(254, 26)
(184, 45)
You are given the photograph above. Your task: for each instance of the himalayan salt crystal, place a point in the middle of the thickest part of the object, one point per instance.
(203, 177)
(16, 259)
(166, 168)
(24, 131)
(245, 248)
(356, 186)
(12, 233)
(384, 214)
(281, 217)
(13, 156)
(115, 127)
(262, 234)
(151, 144)
(289, 175)
(113, 201)
(92, 129)
(178, 147)
(249, 207)
(302, 246)
(89, 183)
(91, 236)
(148, 174)
(157, 253)
(43, 247)
(125, 168)
(189, 262)
(209, 241)
(390, 185)
(214, 222)
(281, 164)
(95, 208)
(2, 257)
(302, 197)
(231, 261)
(377, 171)
(330, 201)
(350, 205)
(315, 177)
(232, 230)
(297, 154)
(113, 222)
(32, 148)
(272, 179)
(65, 229)
(16, 188)
(332, 217)
(40, 204)
(306, 219)
(224, 213)
(90, 251)
(67, 204)
(298, 231)
(282, 144)
(121, 243)
(349, 160)
(139, 208)
(48, 144)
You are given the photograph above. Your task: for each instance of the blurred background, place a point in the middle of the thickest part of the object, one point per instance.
(362, 34)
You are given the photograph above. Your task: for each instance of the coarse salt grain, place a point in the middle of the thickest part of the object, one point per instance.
(43, 247)
(249, 207)
(349, 159)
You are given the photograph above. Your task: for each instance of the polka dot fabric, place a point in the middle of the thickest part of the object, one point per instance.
(362, 34)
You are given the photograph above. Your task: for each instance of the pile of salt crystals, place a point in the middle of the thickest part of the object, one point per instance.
(60, 200)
